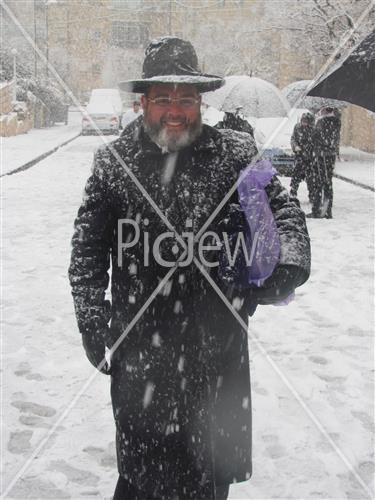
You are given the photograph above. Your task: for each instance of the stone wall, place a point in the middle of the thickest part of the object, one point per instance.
(358, 128)
(6, 94)
(10, 124)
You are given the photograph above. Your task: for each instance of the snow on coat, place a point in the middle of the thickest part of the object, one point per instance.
(235, 122)
(180, 382)
(302, 140)
(327, 134)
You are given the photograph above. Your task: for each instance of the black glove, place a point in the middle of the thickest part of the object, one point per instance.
(94, 345)
(93, 324)
(283, 281)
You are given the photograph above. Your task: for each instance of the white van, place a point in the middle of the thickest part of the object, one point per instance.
(105, 110)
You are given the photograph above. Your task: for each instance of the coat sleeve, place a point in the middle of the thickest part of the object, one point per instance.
(90, 258)
(291, 224)
(293, 139)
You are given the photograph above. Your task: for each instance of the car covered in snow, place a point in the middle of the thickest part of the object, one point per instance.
(104, 110)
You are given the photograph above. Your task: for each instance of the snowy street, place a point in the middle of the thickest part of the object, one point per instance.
(316, 445)
(23, 148)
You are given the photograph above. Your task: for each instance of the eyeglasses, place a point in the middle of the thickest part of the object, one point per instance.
(184, 102)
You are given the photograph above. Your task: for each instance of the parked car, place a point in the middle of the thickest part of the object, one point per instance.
(105, 110)
(281, 160)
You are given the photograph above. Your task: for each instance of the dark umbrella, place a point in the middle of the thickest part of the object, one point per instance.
(352, 79)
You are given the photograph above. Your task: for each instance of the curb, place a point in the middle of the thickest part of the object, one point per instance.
(356, 183)
(39, 158)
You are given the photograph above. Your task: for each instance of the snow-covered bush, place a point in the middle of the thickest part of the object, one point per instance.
(44, 90)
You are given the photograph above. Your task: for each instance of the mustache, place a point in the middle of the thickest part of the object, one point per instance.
(182, 120)
(169, 140)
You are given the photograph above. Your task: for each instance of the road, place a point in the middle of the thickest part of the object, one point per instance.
(311, 378)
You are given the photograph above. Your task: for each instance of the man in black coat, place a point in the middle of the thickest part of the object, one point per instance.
(326, 143)
(234, 121)
(179, 369)
(302, 143)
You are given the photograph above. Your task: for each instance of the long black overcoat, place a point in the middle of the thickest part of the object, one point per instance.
(180, 378)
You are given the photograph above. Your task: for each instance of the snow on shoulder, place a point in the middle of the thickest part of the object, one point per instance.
(242, 144)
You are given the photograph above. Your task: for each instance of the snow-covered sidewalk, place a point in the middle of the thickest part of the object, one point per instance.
(23, 148)
(356, 165)
(362, 172)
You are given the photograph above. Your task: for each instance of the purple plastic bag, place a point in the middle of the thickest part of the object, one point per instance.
(262, 237)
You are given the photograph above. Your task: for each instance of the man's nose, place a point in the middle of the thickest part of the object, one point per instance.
(175, 110)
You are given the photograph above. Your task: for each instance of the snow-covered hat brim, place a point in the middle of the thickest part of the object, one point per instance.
(203, 83)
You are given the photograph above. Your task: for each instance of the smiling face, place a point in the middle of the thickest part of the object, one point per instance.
(176, 124)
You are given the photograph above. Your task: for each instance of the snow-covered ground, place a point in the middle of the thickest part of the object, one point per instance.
(18, 150)
(322, 343)
(358, 170)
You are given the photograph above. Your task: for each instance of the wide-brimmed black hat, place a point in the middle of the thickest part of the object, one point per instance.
(171, 60)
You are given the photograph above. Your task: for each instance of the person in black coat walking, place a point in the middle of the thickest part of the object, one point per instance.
(326, 143)
(180, 384)
(302, 143)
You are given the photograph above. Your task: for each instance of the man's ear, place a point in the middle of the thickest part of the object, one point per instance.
(143, 102)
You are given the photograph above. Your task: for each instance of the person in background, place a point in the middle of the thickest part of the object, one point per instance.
(326, 140)
(131, 114)
(302, 143)
(234, 121)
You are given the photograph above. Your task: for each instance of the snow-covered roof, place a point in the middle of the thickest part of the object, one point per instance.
(104, 101)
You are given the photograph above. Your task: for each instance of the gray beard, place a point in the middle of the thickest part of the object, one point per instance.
(170, 143)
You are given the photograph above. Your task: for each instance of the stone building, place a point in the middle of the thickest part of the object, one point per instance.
(96, 43)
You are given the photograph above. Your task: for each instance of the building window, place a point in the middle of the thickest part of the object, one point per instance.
(95, 68)
(96, 35)
(127, 4)
(128, 35)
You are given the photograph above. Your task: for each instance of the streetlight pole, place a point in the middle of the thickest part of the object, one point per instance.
(170, 18)
(14, 54)
(47, 36)
(35, 60)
